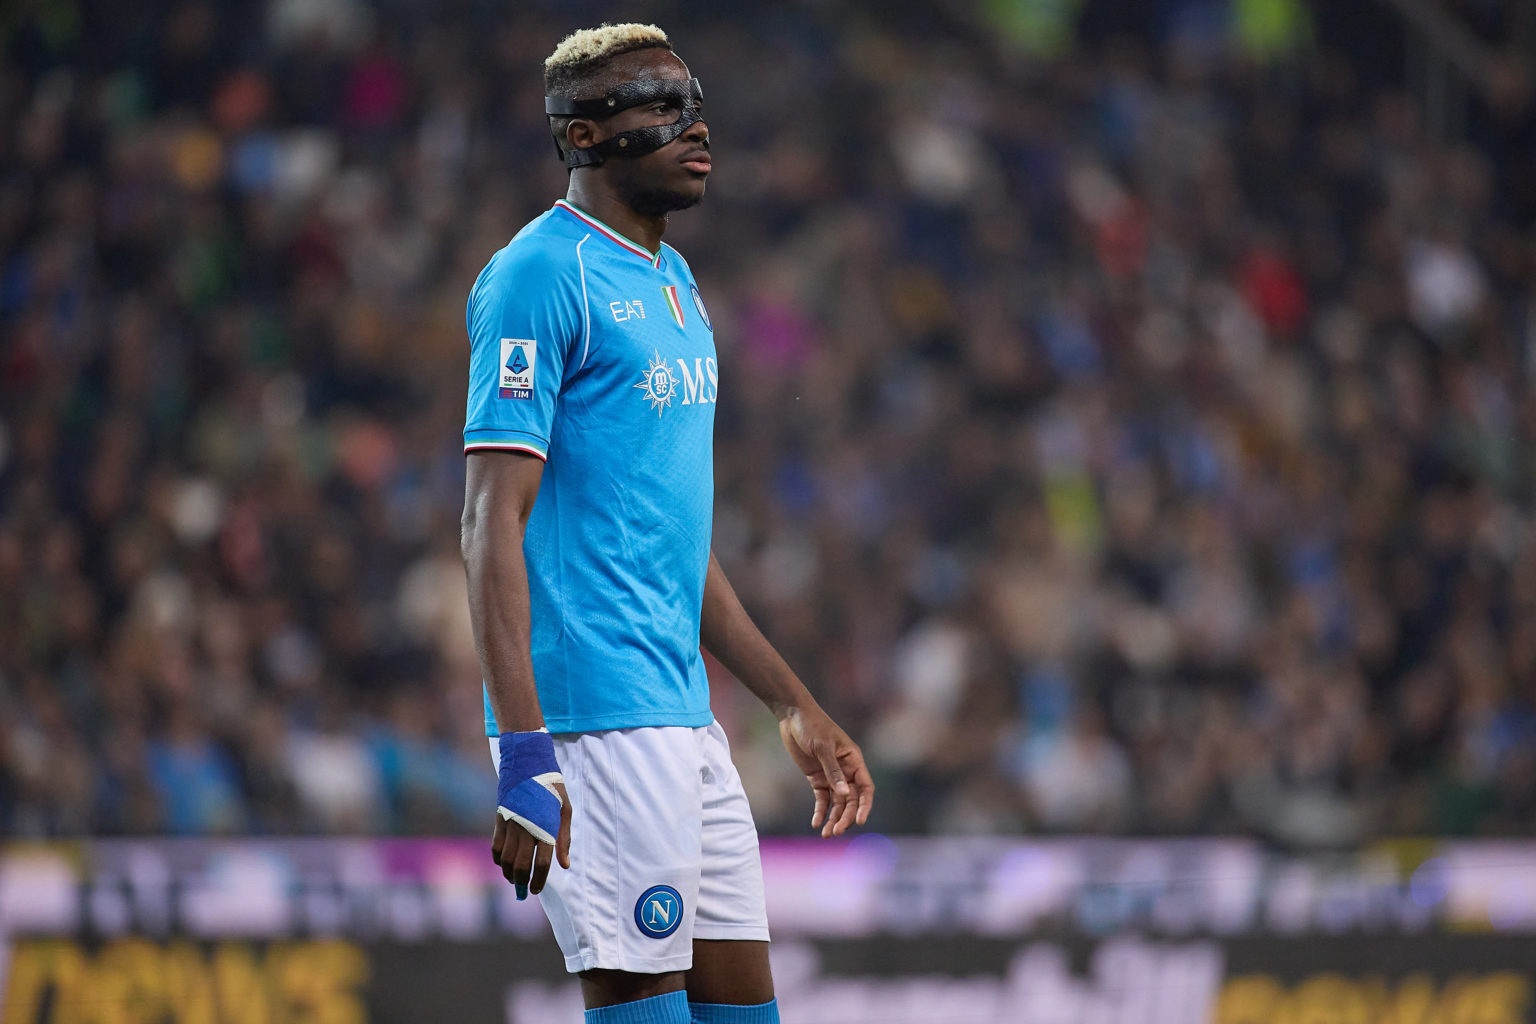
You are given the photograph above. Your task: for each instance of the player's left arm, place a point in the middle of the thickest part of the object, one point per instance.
(831, 761)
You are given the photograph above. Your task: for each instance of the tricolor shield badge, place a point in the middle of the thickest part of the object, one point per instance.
(669, 291)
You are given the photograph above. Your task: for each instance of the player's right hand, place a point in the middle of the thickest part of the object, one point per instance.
(533, 812)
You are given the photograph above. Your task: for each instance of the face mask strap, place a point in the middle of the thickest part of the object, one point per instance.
(636, 142)
(639, 141)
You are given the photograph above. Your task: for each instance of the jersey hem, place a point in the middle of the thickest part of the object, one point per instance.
(623, 721)
(505, 446)
(505, 440)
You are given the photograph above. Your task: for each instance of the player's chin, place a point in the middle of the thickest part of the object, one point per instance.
(688, 186)
(669, 199)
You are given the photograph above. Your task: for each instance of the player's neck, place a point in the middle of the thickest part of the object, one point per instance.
(614, 212)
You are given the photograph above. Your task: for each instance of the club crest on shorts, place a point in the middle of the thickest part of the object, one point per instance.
(659, 911)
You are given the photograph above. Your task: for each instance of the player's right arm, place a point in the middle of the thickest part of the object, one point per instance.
(526, 314)
(499, 492)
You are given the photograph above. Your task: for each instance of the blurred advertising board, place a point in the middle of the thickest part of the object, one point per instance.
(868, 930)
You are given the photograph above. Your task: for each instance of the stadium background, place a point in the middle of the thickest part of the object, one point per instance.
(1125, 427)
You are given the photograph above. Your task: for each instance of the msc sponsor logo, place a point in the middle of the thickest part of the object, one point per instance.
(698, 385)
(659, 911)
(703, 384)
(658, 384)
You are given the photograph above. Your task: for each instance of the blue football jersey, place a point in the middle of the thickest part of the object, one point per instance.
(598, 357)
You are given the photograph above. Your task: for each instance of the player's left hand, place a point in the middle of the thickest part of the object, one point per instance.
(833, 765)
(533, 812)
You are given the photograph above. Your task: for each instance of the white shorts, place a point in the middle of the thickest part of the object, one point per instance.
(663, 849)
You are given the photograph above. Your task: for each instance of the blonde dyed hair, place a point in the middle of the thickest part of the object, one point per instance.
(592, 46)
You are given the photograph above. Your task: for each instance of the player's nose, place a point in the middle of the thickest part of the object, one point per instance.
(698, 132)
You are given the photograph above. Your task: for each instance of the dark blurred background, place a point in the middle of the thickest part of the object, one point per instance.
(1126, 420)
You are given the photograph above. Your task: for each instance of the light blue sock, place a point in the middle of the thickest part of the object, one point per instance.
(725, 1013)
(671, 1008)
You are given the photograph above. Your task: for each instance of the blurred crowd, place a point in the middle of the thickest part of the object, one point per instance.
(1123, 427)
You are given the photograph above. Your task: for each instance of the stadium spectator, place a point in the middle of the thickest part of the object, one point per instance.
(1133, 438)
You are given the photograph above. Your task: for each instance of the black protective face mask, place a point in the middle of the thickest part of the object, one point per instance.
(686, 96)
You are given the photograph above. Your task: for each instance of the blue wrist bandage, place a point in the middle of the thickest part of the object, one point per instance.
(525, 792)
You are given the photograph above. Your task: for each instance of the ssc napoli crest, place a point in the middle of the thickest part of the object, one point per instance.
(698, 303)
(659, 911)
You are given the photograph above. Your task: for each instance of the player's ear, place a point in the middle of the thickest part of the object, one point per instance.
(582, 134)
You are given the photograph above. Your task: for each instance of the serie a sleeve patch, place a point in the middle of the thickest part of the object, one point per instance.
(518, 358)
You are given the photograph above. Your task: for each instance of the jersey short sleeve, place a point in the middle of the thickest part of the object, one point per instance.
(526, 318)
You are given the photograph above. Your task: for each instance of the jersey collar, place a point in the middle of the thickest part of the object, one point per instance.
(612, 235)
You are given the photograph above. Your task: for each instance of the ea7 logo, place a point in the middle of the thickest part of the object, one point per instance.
(631, 309)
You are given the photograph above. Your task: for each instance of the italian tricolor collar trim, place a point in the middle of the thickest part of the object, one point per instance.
(612, 235)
